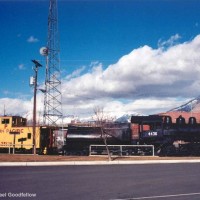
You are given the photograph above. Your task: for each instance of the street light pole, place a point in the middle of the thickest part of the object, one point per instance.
(37, 64)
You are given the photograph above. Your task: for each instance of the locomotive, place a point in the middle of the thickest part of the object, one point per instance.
(179, 138)
(168, 138)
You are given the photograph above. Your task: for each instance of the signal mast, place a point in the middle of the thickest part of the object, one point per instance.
(52, 93)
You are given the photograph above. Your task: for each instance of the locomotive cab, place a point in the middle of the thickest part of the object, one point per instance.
(149, 127)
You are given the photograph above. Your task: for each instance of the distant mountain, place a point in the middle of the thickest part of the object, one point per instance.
(191, 106)
(126, 118)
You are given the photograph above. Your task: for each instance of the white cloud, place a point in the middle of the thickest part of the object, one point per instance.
(145, 81)
(12, 106)
(21, 67)
(32, 39)
(75, 73)
(145, 73)
(170, 42)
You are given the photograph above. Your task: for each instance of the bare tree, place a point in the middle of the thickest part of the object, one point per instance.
(101, 119)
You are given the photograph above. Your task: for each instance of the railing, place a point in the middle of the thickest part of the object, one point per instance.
(122, 150)
(13, 146)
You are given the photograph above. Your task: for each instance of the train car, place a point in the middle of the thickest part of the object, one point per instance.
(80, 137)
(168, 138)
(17, 137)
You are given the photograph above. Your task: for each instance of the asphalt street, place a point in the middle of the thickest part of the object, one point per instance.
(102, 182)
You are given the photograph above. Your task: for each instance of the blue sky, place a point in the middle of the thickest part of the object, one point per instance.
(91, 31)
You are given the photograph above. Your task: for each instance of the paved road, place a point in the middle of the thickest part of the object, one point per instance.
(109, 182)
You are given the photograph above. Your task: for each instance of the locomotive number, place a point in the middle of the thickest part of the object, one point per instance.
(153, 133)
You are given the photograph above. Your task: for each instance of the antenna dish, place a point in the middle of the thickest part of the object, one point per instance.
(44, 51)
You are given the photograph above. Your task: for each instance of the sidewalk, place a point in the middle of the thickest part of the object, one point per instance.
(38, 160)
(61, 163)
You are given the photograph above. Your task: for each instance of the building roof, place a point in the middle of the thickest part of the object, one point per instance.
(175, 114)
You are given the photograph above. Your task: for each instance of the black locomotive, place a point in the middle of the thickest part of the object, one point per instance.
(179, 138)
(168, 138)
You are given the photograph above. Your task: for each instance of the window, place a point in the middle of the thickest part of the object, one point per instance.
(5, 121)
(29, 136)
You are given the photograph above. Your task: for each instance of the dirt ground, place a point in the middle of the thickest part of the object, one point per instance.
(46, 158)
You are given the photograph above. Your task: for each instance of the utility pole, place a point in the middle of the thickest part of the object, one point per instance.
(52, 99)
(37, 64)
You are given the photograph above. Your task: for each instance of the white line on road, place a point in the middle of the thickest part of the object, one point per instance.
(163, 196)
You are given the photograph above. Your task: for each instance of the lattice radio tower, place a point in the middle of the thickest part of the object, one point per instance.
(52, 99)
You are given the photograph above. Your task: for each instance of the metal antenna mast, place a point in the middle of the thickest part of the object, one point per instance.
(52, 99)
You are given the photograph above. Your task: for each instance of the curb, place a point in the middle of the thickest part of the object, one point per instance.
(73, 163)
